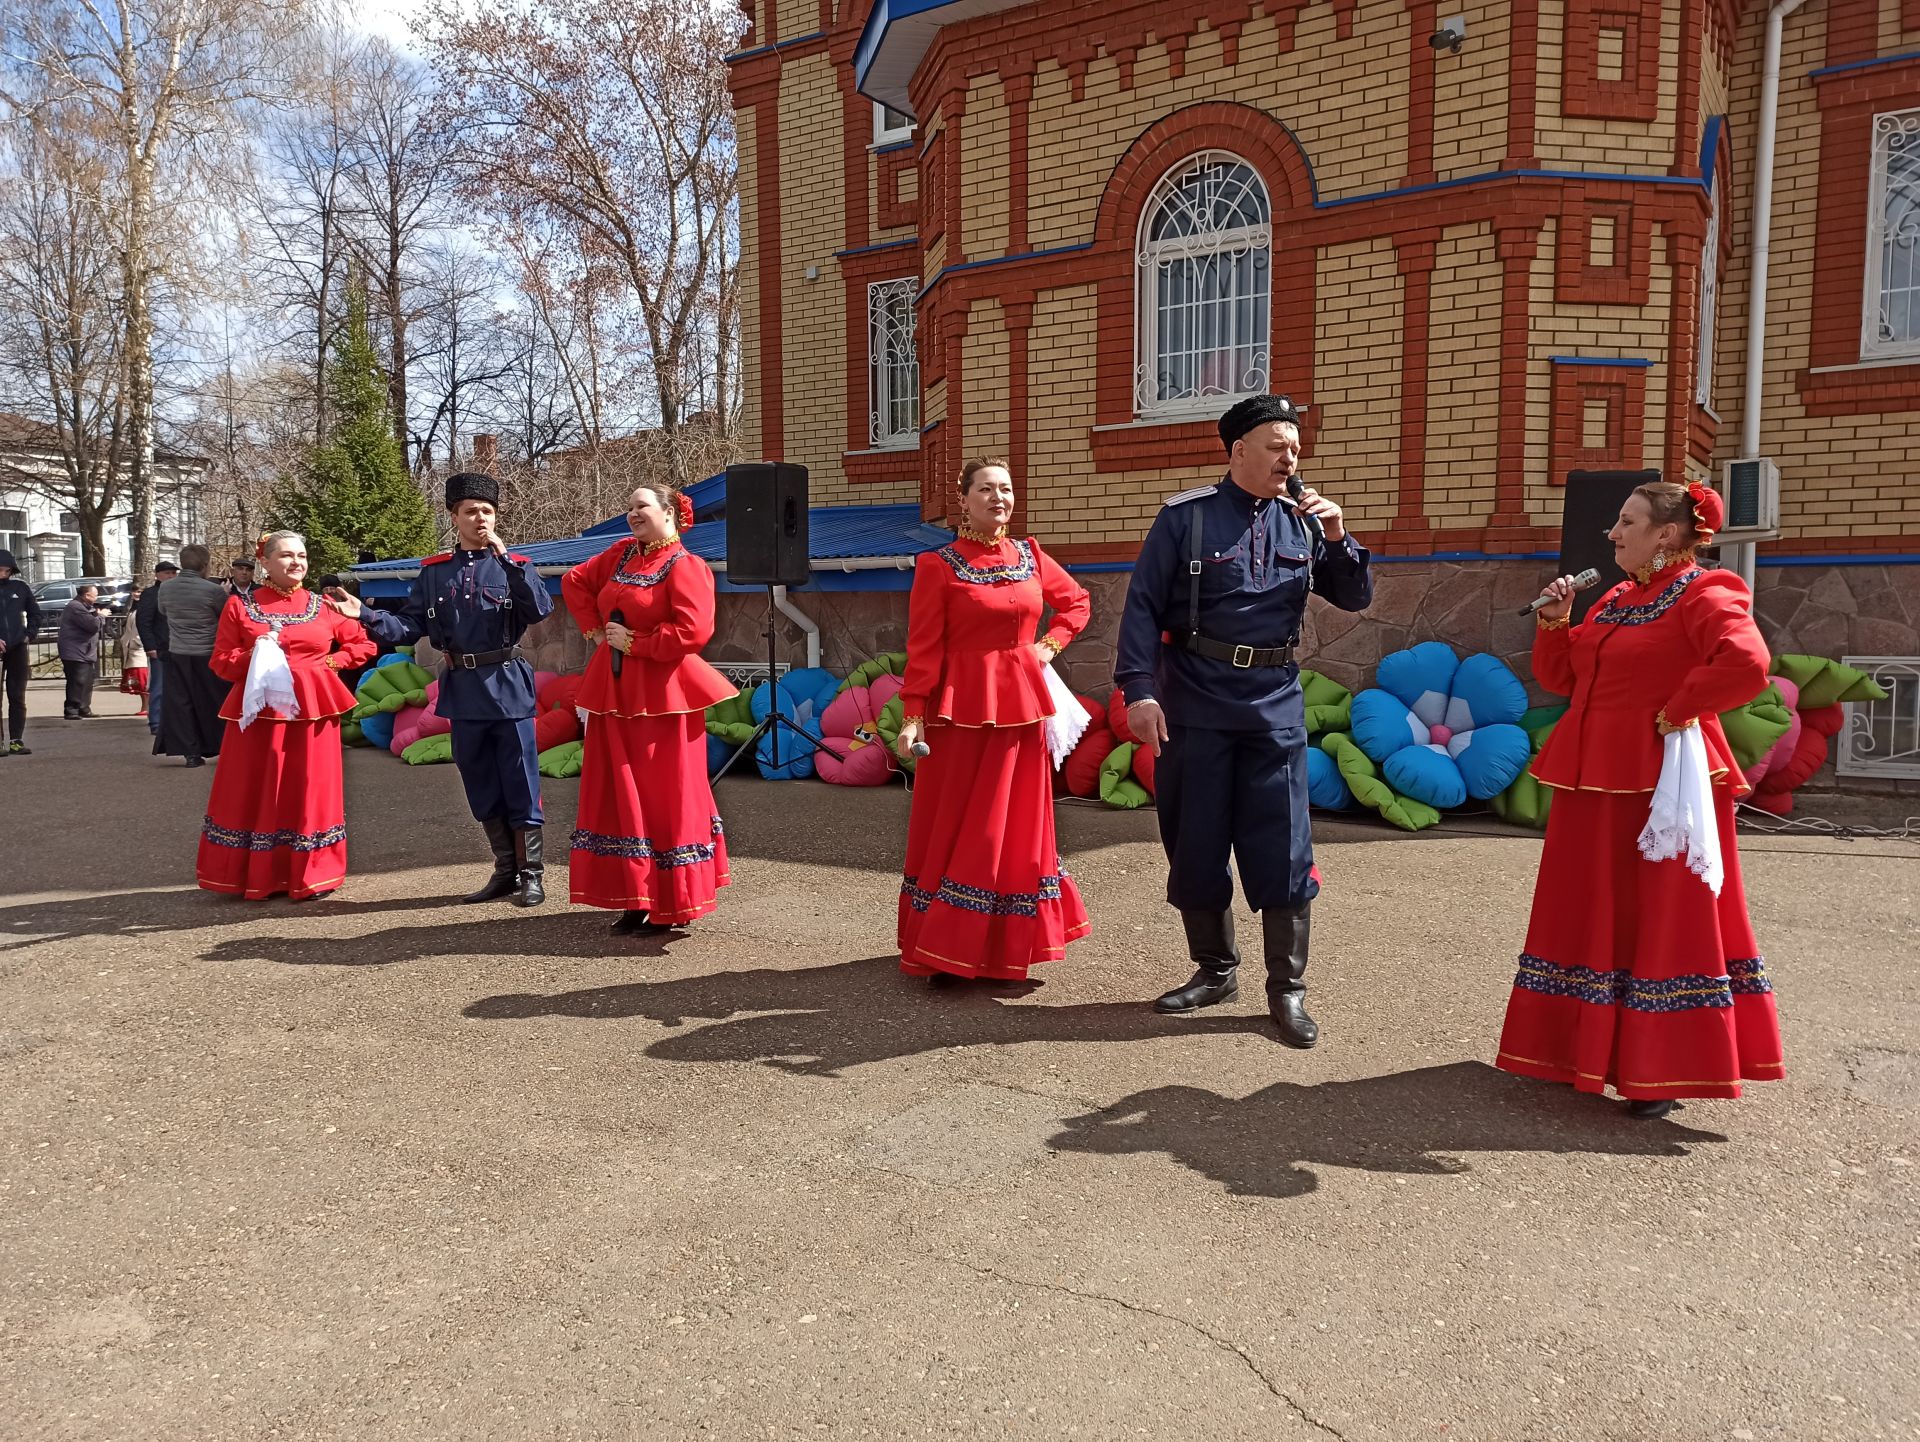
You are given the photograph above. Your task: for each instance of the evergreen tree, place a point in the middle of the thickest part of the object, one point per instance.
(353, 493)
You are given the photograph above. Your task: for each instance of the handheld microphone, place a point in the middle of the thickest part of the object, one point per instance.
(920, 749)
(1584, 581)
(619, 618)
(1295, 490)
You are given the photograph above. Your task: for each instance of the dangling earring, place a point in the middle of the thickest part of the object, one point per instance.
(1659, 560)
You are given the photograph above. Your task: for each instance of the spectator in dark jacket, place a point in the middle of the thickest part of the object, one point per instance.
(191, 605)
(153, 635)
(19, 623)
(80, 650)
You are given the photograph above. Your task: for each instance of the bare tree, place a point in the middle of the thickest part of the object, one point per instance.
(464, 354)
(162, 82)
(62, 327)
(615, 122)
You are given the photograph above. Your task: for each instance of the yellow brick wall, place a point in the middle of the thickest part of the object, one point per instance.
(1463, 378)
(1346, 101)
(797, 18)
(750, 433)
(1470, 93)
(985, 170)
(1840, 475)
(812, 229)
(1613, 145)
(909, 191)
(1713, 85)
(1356, 383)
(1610, 331)
(1893, 37)
(985, 375)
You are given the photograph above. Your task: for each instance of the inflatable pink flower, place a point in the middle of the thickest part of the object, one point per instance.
(851, 726)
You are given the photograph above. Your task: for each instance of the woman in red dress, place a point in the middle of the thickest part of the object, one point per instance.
(276, 821)
(647, 843)
(985, 895)
(1635, 975)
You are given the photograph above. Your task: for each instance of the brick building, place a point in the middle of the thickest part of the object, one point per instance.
(1488, 243)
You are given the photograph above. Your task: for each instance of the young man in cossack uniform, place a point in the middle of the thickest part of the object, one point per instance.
(473, 604)
(1206, 666)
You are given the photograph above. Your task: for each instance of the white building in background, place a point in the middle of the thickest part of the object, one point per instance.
(44, 535)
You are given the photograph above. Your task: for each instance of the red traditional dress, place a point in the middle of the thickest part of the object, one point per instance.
(276, 820)
(985, 894)
(648, 834)
(1635, 974)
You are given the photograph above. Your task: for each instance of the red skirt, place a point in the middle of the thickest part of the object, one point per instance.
(648, 834)
(133, 681)
(1635, 975)
(985, 894)
(276, 821)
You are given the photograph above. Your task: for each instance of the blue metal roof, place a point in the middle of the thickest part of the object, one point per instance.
(841, 537)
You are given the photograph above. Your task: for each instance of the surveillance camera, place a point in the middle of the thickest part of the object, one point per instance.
(1451, 35)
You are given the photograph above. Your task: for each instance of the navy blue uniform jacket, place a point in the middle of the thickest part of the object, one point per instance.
(479, 602)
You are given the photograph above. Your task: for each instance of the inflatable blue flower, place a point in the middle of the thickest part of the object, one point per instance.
(804, 698)
(1442, 729)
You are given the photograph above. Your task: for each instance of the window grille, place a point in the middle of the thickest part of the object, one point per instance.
(1709, 301)
(1882, 738)
(893, 368)
(1892, 308)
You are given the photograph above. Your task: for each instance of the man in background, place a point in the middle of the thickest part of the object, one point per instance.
(19, 621)
(153, 635)
(80, 624)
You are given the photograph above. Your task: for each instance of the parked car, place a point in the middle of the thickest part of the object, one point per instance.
(54, 595)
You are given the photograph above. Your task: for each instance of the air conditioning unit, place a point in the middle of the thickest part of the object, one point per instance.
(1751, 489)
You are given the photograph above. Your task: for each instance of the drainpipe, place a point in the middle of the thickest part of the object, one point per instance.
(1740, 557)
(801, 619)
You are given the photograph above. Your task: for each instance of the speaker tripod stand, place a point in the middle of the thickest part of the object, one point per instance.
(775, 719)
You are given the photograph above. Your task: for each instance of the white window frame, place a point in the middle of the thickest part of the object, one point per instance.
(1892, 130)
(1204, 241)
(888, 134)
(893, 366)
(1709, 297)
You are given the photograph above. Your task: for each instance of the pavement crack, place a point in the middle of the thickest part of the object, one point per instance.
(1224, 1343)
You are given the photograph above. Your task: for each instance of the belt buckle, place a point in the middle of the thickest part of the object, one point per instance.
(1243, 656)
(467, 661)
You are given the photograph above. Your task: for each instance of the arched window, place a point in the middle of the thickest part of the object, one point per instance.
(1893, 247)
(1709, 297)
(1205, 266)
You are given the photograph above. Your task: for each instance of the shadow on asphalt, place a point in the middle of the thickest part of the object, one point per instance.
(145, 913)
(562, 932)
(1415, 1122)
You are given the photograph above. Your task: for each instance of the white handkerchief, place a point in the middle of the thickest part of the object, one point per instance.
(1068, 723)
(269, 683)
(1681, 823)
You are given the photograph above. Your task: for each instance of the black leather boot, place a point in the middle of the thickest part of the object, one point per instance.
(533, 868)
(1287, 930)
(1217, 975)
(1648, 1109)
(501, 883)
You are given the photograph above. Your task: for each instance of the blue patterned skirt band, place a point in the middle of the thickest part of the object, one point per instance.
(641, 848)
(979, 899)
(272, 840)
(1621, 987)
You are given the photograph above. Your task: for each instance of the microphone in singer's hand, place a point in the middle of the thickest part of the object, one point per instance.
(1295, 493)
(920, 749)
(1586, 579)
(619, 618)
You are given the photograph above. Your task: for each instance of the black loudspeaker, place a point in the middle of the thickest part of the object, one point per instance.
(767, 524)
(1591, 506)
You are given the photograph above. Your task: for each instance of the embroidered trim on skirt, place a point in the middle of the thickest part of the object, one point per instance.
(984, 893)
(1635, 975)
(648, 836)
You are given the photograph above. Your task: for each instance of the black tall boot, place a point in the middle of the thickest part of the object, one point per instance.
(500, 838)
(533, 869)
(1287, 931)
(1217, 977)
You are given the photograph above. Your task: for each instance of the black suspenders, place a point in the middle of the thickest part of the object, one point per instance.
(1196, 541)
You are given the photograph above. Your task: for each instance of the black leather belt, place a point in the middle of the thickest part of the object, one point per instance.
(473, 660)
(1241, 656)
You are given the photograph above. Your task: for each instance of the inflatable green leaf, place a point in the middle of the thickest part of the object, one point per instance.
(731, 719)
(429, 750)
(1369, 789)
(564, 760)
(391, 688)
(1117, 786)
(1753, 728)
(1824, 681)
(888, 721)
(350, 733)
(1527, 801)
(1329, 704)
(891, 663)
(1538, 721)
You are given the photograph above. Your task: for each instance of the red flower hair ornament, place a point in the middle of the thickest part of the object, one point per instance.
(1709, 511)
(682, 511)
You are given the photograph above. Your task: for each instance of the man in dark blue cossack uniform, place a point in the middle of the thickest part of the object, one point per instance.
(473, 604)
(1206, 665)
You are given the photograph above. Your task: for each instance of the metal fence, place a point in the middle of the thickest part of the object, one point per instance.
(46, 653)
(1882, 738)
